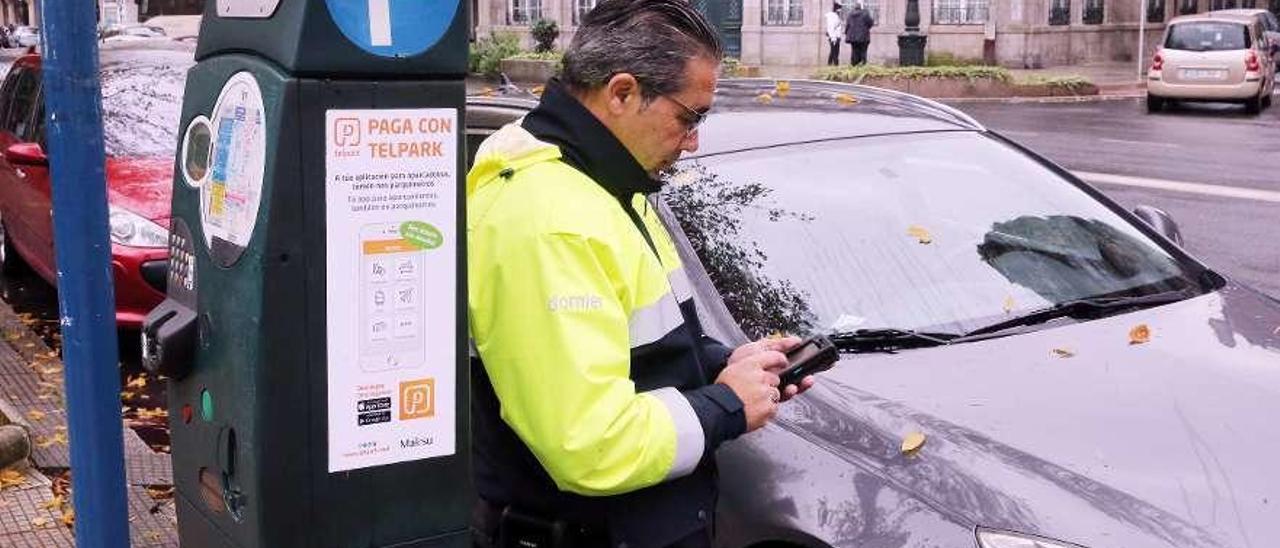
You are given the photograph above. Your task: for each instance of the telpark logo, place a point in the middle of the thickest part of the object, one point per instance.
(346, 132)
(417, 399)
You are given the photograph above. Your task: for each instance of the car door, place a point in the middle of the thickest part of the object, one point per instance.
(26, 211)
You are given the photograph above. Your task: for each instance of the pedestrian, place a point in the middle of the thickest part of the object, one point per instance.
(857, 32)
(835, 33)
(598, 401)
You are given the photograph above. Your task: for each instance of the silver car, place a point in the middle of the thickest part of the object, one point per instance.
(1213, 57)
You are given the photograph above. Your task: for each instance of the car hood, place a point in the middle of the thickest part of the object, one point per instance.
(1075, 432)
(141, 185)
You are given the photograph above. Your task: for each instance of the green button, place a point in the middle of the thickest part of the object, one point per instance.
(206, 405)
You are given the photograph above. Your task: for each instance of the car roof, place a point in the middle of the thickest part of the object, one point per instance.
(1216, 16)
(1247, 12)
(149, 53)
(751, 113)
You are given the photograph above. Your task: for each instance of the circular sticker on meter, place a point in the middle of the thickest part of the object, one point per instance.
(393, 28)
(232, 190)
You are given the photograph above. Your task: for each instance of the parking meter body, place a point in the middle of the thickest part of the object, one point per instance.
(314, 332)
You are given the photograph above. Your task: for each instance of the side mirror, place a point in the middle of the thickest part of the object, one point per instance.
(26, 154)
(1160, 221)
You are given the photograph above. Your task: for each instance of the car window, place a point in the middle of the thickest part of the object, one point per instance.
(18, 115)
(1208, 36)
(870, 233)
(142, 101)
(6, 91)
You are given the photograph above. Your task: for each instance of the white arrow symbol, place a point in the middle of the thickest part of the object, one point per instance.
(380, 22)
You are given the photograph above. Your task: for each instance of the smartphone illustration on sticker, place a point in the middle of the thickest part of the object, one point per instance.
(392, 300)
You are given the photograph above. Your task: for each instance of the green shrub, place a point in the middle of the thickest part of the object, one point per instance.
(488, 53)
(948, 59)
(545, 32)
(730, 67)
(557, 56)
(856, 74)
(1066, 82)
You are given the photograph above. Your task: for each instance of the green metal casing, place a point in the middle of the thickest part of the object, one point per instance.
(260, 351)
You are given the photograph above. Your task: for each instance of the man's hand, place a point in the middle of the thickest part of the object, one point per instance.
(779, 344)
(753, 379)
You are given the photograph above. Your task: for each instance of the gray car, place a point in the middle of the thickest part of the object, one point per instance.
(1026, 364)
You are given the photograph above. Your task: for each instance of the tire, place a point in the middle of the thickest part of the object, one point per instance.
(1254, 105)
(1154, 104)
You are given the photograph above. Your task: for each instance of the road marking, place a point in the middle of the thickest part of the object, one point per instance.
(1141, 143)
(1179, 186)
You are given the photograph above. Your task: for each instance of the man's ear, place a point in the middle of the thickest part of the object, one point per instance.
(622, 92)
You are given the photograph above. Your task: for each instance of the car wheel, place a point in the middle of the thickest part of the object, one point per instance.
(1254, 105)
(1154, 104)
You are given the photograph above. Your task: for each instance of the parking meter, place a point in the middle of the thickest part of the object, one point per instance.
(312, 332)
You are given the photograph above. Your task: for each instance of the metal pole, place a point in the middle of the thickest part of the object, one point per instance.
(73, 107)
(1142, 38)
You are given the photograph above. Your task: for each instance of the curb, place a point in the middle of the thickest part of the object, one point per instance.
(1066, 99)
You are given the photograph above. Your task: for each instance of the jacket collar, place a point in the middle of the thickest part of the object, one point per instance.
(587, 144)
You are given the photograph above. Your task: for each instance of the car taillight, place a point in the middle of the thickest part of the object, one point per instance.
(1157, 62)
(1251, 62)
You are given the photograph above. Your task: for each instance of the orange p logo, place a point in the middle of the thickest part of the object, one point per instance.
(417, 399)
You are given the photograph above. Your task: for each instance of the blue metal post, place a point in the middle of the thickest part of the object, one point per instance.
(73, 107)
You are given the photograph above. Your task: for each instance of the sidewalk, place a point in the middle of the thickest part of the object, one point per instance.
(35, 503)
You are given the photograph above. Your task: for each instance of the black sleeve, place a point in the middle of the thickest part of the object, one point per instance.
(715, 355)
(720, 412)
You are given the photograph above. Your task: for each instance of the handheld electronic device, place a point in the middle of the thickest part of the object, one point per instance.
(814, 355)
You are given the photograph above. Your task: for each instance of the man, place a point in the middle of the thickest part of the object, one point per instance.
(598, 401)
(835, 32)
(857, 31)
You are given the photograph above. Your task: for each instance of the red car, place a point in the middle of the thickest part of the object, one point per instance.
(142, 99)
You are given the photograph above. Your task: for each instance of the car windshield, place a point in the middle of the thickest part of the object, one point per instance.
(1208, 36)
(941, 232)
(142, 100)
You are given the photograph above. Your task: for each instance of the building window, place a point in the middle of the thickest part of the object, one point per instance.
(959, 12)
(1225, 4)
(1155, 11)
(523, 12)
(1187, 7)
(580, 9)
(1059, 12)
(1093, 12)
(784, 12)
(872, 7)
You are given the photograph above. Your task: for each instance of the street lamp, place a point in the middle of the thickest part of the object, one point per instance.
(911, 42)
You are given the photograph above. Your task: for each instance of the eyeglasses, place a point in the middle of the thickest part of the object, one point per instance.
(692, 120)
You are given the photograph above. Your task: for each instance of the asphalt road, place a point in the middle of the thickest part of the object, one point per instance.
(1229, 214)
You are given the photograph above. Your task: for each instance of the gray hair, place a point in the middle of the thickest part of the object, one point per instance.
(653, 40)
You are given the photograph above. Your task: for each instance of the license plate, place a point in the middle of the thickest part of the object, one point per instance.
(1203, 74)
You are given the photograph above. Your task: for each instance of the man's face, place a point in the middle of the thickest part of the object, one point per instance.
(658, 132)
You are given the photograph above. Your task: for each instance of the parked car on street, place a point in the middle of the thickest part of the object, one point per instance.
(1026, 364)
(142, 97)
(1212, 57)
(131, 33)
(26, 36)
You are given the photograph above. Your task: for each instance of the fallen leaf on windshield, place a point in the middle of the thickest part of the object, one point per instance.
(1139, 334)
(920, 233)
(537, 90)
(1009, 305)
(487, 92)
(783, 87)
(1063, 353)
(912, 443)
(35, 415)
(764, 98)
(846, 99)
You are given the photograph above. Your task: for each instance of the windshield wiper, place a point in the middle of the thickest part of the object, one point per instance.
(1093, 308)
(888, 339)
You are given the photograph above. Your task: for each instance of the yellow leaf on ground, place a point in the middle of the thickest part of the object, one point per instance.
(137, 382)
(69, 517)
(1140, 334)
(1063, 353)
(912, 443)
(35, 415)
(920, 233)
(537, 90)
(11, 478)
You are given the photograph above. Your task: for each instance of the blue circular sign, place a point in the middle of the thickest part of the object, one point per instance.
(393, 28)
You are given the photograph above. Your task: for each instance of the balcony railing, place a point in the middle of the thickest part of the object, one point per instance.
(960, 15)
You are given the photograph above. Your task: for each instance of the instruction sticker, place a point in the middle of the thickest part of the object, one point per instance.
(391, 262)
(229, 199)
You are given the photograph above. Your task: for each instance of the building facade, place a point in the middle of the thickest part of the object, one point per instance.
(1012, 33)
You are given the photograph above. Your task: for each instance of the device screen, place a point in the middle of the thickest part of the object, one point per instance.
(392, 314)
